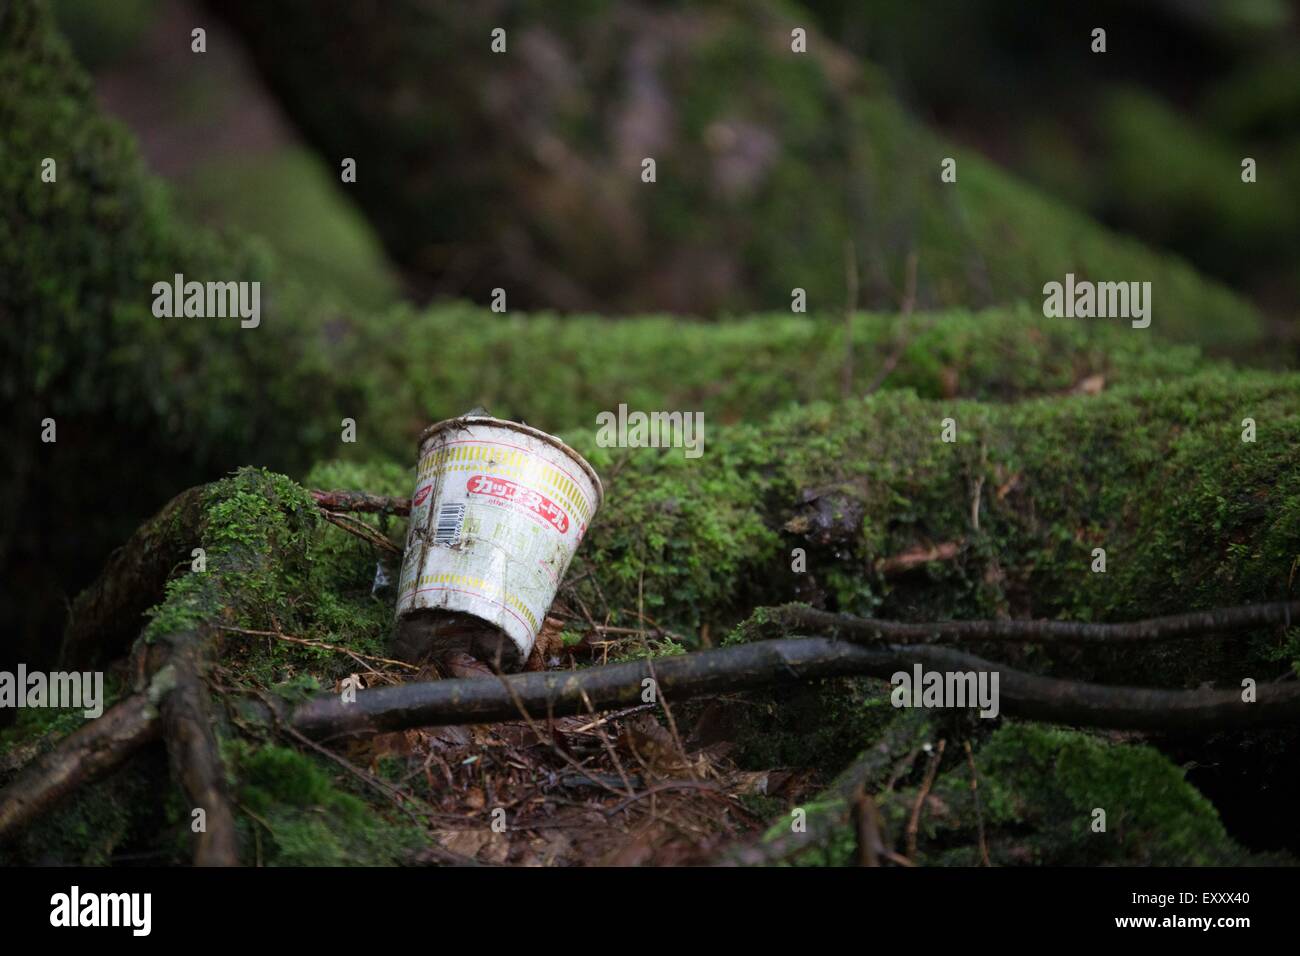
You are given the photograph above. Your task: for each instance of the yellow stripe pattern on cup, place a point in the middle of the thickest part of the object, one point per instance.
(483, 588)
(470, 456)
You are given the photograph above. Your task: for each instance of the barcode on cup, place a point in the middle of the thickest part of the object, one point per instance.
(451, 518)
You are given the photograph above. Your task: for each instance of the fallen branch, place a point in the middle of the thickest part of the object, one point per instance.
(1175, 627)
(130, 724)
(764, 663)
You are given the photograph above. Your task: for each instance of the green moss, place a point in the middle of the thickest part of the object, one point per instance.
(303, 818)
(558, 373)
(255, 532)
(649, 649)
(1038, 789)
(273, 565)
(1139, 471)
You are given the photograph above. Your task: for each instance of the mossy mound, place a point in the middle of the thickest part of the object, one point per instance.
(560, 372)
(1047, 796)
(1157, 475)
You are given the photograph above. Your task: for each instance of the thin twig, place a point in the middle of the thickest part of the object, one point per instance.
(357, 527)
(660, 788)
(323, 645)
(672, 724)
(866, 829)
(914, 823)
(975, 796)
(609, 746)
(900, 346)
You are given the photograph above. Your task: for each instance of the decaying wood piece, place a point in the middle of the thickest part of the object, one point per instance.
(79, 758)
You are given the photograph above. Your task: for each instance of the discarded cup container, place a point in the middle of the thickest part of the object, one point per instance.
(498, 511)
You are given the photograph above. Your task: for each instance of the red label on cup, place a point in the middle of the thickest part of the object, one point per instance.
(508, 490)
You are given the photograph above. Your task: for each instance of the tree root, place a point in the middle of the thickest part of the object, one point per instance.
(176, 706)
(193, 751)
(1152, 630)
(186, 714)
(763, 663)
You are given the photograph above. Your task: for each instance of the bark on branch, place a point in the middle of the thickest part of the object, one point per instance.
(781, 661)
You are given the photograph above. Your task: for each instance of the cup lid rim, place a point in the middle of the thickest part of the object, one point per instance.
(463, 421)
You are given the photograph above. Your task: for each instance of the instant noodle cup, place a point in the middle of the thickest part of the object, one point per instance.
(498, 512)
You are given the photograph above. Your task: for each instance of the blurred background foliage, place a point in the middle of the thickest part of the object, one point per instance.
(474, 177)
(1189, 88)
